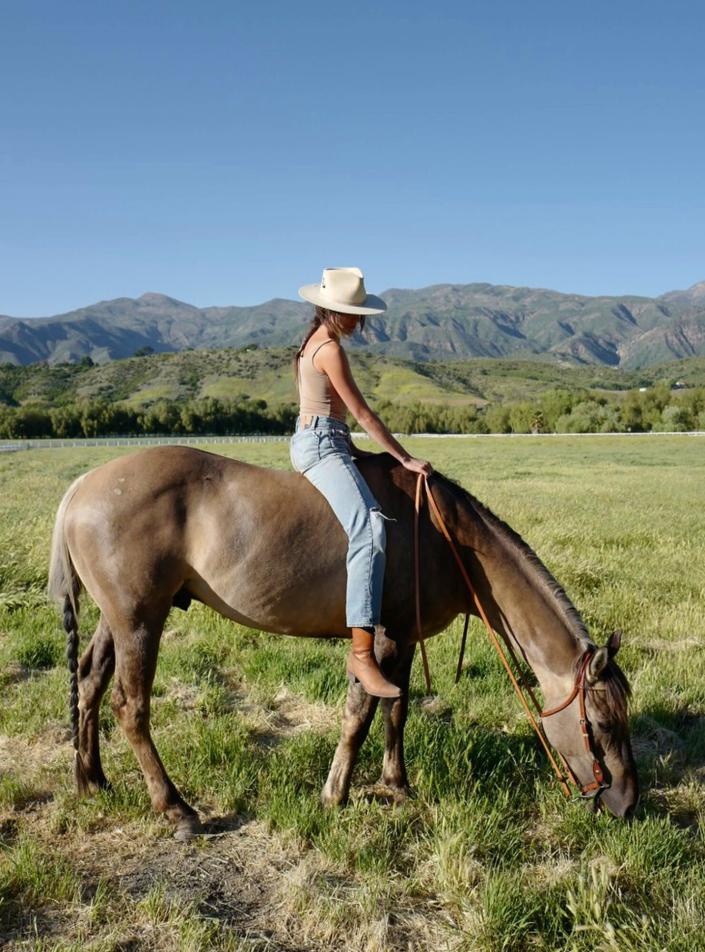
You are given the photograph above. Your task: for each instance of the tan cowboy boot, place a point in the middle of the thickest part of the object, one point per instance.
(362, 665)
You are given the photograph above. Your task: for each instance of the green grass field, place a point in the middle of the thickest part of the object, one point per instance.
(486, 855)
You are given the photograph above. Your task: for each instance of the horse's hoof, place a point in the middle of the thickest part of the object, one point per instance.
(188, 828)
(100, 786)
(330, 799)
(399, 792)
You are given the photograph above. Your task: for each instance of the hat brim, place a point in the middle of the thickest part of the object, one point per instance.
(313, 293)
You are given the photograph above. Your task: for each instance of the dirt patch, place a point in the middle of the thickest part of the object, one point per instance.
(186, 695)
(13, 672)
(296, 715)
(35, 756)
(266, 891)
(288, 714)
(234, 880)
(658, 741)
(258, 889)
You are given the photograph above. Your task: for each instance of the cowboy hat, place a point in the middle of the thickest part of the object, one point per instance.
(343, 290)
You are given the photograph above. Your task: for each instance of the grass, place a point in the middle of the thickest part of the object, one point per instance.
(486, 855)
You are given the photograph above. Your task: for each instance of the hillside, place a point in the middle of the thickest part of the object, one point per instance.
(264, 374)
(446, 322)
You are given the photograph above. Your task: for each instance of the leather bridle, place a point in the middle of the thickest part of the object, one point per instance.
(588, 791)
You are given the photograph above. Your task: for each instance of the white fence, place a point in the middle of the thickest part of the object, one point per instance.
(11, 446)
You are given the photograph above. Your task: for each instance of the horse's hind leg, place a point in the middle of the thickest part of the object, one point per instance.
(395, 712)
(359, 711)
(95, 669)
(135, 664)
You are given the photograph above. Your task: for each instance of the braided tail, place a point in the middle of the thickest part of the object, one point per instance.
(64, 587)
(71, 629)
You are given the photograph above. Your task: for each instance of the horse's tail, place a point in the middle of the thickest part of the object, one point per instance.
(64, 587)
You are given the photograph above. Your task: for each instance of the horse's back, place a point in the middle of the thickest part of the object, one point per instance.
(233, 533)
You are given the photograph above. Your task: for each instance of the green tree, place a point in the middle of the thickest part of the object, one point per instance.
(554, 404)
(66, 422)
(521, 416)
(31, 422)
(497, 419)
(675, 419)
(631, 411)
(94, 416)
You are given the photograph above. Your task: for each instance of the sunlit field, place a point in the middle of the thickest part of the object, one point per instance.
(485, 855)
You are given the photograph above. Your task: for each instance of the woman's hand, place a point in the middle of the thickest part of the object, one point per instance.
(418, 465)
(334, 362)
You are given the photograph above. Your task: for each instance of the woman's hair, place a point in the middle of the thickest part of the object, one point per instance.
(331, 319)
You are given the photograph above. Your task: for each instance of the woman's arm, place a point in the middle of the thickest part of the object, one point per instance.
(334, 362)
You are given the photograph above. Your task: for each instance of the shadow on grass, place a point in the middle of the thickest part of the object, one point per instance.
(227, 823)
(669, 746)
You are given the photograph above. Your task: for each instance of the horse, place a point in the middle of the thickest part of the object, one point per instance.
(165, 525)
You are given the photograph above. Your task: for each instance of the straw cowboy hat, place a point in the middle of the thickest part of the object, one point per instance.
(343, 290)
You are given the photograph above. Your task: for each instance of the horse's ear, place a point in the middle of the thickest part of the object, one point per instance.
(597, 665)
(613, 643)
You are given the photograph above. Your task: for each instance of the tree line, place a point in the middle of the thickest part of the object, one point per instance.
(654, 409)
(85, 418)
(657, 408)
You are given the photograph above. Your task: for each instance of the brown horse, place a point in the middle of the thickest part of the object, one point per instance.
(169, 524)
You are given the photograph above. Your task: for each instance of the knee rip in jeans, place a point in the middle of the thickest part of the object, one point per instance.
(379, 532)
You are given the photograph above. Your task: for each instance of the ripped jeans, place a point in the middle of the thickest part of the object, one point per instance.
(321, 452)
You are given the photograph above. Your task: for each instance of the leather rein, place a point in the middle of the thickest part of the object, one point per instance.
(580, 688)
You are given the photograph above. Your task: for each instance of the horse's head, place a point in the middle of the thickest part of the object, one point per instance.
(590, 730)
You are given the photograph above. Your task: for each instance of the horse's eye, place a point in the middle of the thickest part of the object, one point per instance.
(601, 725)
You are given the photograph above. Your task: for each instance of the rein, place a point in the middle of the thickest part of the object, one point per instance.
(580, 688)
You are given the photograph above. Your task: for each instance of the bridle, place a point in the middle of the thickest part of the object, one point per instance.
(592, 790)
(588, 791)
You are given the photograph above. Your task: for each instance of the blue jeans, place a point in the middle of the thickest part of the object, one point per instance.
(321, 452)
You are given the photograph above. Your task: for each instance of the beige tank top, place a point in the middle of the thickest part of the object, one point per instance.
(316, 393)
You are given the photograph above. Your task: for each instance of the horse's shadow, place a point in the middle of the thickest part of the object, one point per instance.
(225, 824)
(669, 748)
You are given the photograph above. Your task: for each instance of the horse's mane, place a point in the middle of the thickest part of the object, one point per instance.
(527, 557)
(613, 679)
(614, 685)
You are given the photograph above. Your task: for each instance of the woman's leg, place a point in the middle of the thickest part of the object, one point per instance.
(360, 515)
(355, 507)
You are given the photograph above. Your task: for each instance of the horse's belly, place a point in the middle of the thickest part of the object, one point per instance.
(273, 584)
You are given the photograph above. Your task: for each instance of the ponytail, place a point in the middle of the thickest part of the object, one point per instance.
(313, 326)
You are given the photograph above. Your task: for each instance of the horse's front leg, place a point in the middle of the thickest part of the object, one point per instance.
(395, 711)
(359, 711)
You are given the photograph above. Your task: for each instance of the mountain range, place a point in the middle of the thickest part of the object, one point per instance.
(440, 322)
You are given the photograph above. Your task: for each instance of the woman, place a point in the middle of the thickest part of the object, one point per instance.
(321, 449)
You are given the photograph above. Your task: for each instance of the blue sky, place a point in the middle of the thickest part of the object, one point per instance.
(224, 153)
